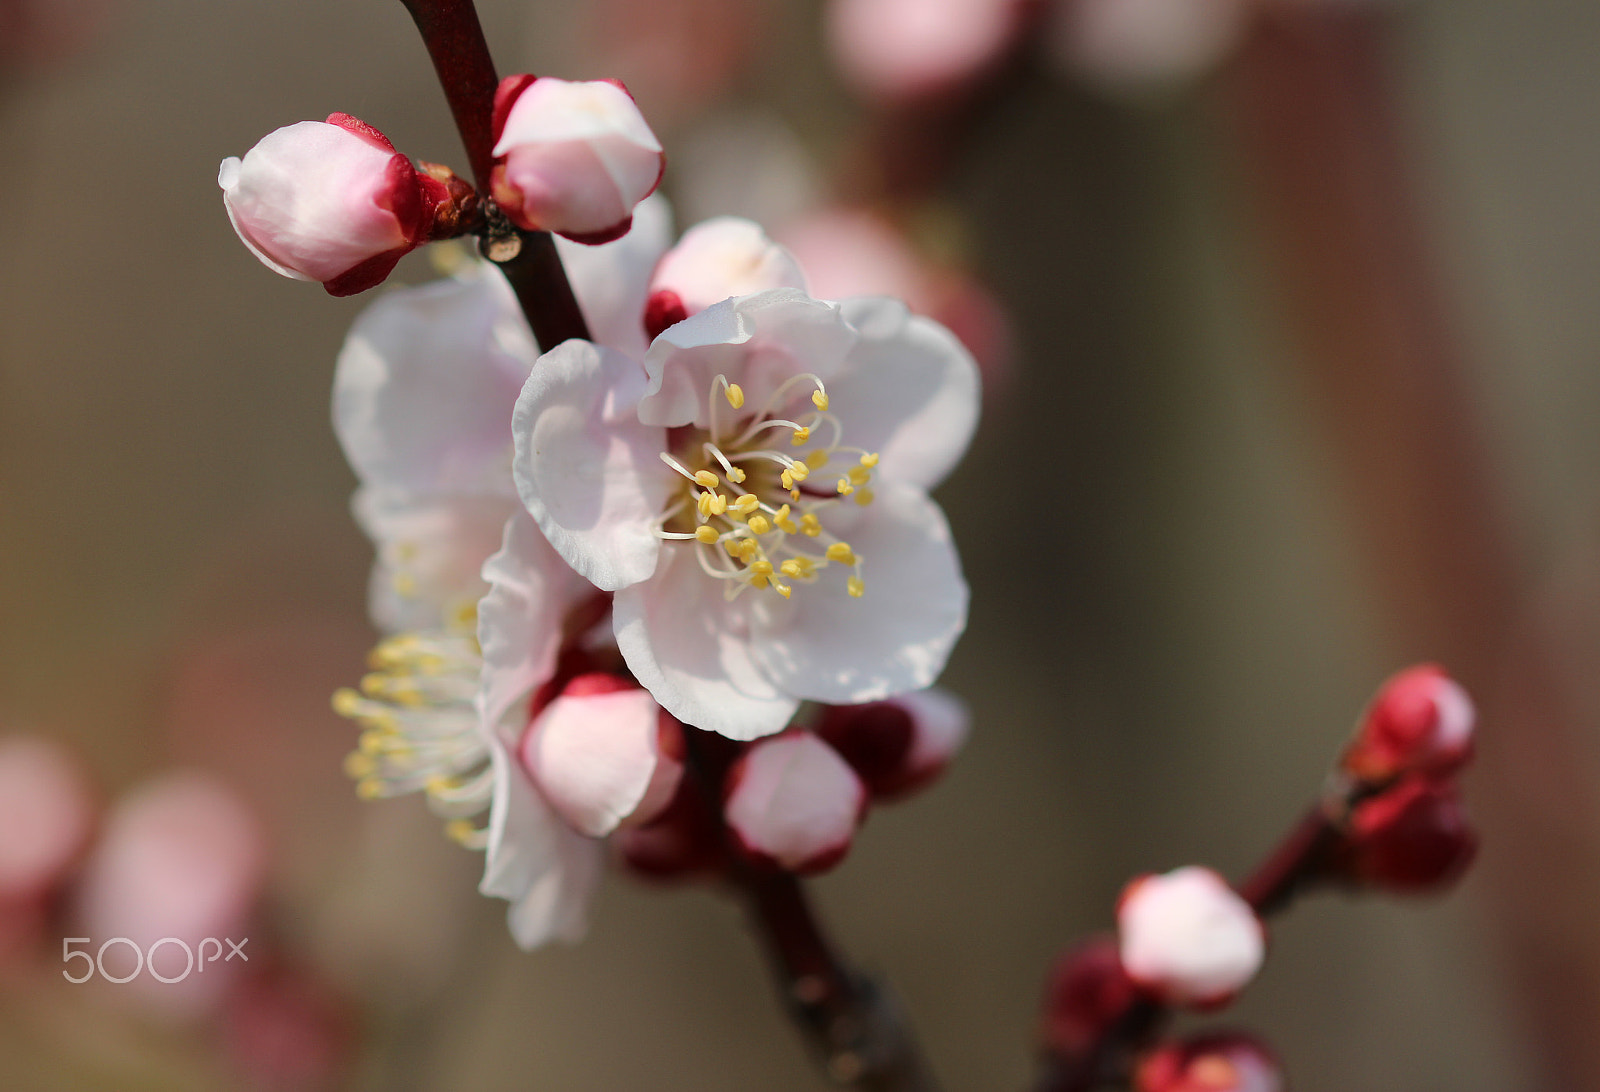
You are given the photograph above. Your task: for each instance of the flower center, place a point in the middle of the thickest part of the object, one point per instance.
(755, 512)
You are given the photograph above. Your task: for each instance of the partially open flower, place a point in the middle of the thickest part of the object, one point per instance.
(572, 158)
(1225, 1062)
(1421, 720)
(1187, 938)
(329, 201)
(794, 803)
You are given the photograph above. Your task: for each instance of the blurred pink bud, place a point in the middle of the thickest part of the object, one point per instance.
(723, 257)
(604, 754)
(1086, 994)
(792, 802)
(1421, 720)
(1187, 938)
(46, 812)
(180, 857)
(900, 745)
(285, 1030)
(329, 201)
(1218, 1062)
(572, 158)
(900, 50)
(1133, 45)
(1413, 838)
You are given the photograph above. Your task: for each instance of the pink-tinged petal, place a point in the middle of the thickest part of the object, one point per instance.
(46, 812)
(941, 724)
(590, 473)
(793, 802)
(911, 391)
(1188, 938)
(430, 554)
(425, 386)
(758, 341)
(908, 49)
(594, 756)
(612, 280)
(824, 645)
(721, 258)
(690, 648)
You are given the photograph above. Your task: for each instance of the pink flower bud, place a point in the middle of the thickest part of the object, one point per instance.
(572, 158)
(792, 802)
(900, 745)
(909, 49)
(722, 257)
(604, 754)
(1421, 720)
(1087, 993)
(329, 201)
(1218, 1062)
(1187, 938)
(46, 812)
(1413, 838)
(684, 841)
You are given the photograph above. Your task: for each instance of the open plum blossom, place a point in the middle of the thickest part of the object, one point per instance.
(755, 496)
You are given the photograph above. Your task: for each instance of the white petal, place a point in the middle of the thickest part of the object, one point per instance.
(552, 110)
(431, 552)
(824, 645)
(691, 650)
(940, 723)
(593, 756)
(612, 281)
(1188, 935)
(757, 341)
(793, 799)
(585, 467)
(910, 393)
(426, 382)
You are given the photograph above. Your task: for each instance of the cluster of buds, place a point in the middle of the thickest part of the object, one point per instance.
(794, 801)
(334, 201)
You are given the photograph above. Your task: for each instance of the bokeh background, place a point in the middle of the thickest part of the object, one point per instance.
(1241, 466)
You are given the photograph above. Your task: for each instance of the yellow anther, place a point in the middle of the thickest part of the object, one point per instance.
(787, 478)
(405, 585)
(845, 488)
(859, 475)
(781, 588)
(706, 535)
(810, 525)
(706, 479)
(369, 788)
(761, 568)
(373, 742)
(735, 475)
(794, 495)
(820, 400)
(746, 504)
(460, 831)
(865, 497)
(733, 546)
(719, 503)
(855, 587)
(870, 459)
(785, 524)
(801, 435)
(735, 395)
(841, 552)
(817, 459)
(758, 581)
(358, 766)
(437, 785)
(748, 549)
(760, 524)
(374, 683)
(800, 471)
(793, 568)
(346, 701)
(703, 502)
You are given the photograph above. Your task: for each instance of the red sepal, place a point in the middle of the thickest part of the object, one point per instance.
(361, 129)
(505, 97)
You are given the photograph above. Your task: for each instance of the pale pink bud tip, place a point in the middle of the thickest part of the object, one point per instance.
(909, 49)
(1421, 720)
(329, 201)
(1188, 938)
(900, 745)
(1210, 1063)
(572, 158)
(46, 812)
(794, 803)
(723, 257)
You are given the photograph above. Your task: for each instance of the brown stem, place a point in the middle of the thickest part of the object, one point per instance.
(454, 38)
(1300, 860)
(858, 1035)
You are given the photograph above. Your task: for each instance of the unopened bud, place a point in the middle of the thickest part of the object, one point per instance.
(1413, 838)
(900, 745)
(1218, 1062)
(1087, 993)
(330, 201)
(902, 50)
(1187, 938)
(682, 842)
(1421, 720)
(604, 754)
(723, 257)
(46, 812)
(572, 158)
(792, 802)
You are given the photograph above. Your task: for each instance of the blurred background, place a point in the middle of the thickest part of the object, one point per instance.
(1286, 310)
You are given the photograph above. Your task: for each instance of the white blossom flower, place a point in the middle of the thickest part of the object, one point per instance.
(756, 498)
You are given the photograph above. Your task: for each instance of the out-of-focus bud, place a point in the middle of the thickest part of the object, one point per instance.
(46, 812)
(330, 201)
(1413, 838)
(1087, 992)
(1187, 938)
(283, 1029)
(900, 745)
(792, 802)
(1130, 46)
(1217, 1062)
(572, 158)
(722, 257)
(604, 754)
(682, 842)
(903, 50)
(1421, 720)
